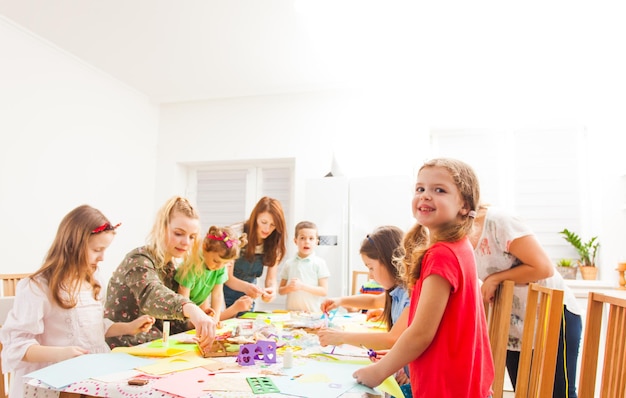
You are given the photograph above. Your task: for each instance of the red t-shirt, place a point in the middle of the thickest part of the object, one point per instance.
(458, 362)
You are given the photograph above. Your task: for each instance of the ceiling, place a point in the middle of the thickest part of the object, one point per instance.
(175, 51)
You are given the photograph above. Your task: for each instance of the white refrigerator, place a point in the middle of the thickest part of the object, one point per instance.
(346, 210)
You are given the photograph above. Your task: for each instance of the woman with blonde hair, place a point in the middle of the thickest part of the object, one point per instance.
(144, 282)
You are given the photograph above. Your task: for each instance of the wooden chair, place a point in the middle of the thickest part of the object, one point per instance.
(540, 341)
(6, 303)
(9, 282)
(613, 334)
(498, 322)
(356, 275)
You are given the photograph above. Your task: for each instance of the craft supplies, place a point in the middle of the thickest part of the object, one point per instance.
(288, 358)
(166, 332)
(262, 385)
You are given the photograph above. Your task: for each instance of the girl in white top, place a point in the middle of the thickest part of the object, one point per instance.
(505, 248)
(58, 314)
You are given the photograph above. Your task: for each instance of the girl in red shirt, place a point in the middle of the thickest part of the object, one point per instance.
(446, 343)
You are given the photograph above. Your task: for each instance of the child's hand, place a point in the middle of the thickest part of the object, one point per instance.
(141, 324)
(329, 336)
(374, 315)
(242, 304)
(402, 378)
(329, 304)
(268, 295)
(369, 376)
(294, 284)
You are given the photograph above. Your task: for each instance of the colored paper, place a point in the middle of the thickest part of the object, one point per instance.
(142, 350)
(198, 382)
(175, 364)
(320, 379)
(83, 367)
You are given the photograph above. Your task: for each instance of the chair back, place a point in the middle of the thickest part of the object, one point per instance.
(540, 341)
(613, 335)
(9, 283)
(498, 315)
(6, 303)
(358, 278)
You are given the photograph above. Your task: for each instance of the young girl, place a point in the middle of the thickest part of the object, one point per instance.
(144, 281)
(57, 312)
(205, 278)
(266, 248)
(446, 343)
(377, 252)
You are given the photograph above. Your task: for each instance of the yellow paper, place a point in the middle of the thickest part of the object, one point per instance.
(150, 351)
(390, 386)
(175, 364)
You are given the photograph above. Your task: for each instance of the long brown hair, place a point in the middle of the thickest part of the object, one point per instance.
(66, 264)
(418, 239)
(383, 245)
(274, 247)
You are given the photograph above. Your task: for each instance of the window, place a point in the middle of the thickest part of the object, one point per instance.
(226, 192)
(538, 174)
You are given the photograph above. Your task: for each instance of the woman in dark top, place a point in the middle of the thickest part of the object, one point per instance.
(265, 249)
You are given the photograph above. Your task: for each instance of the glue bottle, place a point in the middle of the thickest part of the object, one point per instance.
(288, 358)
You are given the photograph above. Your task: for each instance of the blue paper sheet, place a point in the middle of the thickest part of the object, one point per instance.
(83, 367)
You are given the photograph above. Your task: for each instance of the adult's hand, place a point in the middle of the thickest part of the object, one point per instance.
(268, 294)
(204, 324)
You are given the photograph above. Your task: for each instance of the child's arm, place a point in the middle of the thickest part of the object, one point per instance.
(42, 353)
(375, 341)
(242, 304)
(295, 285)
(139, 325)
(184, 291)
(217, 301)
(283, 288)
(356, 301)
(418, 336)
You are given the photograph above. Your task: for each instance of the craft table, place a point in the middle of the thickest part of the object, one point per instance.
(230, 381)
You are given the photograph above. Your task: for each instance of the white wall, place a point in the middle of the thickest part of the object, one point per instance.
(368, 135)
(69, 135)
(385, 132)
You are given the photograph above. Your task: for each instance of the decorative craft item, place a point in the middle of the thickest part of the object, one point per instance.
(262, 385)
(261, 350)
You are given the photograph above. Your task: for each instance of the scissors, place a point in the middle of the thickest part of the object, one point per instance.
(329, 316)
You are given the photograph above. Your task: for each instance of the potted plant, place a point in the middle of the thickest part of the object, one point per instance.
(586, 251)
(566, 268)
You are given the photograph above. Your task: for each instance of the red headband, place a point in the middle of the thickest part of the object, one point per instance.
(224, 238)
(105, 227)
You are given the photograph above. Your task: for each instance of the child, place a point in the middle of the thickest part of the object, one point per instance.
(446, 343)
(304, 279)
(57, 314)
(206, 278)
(378, 251)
